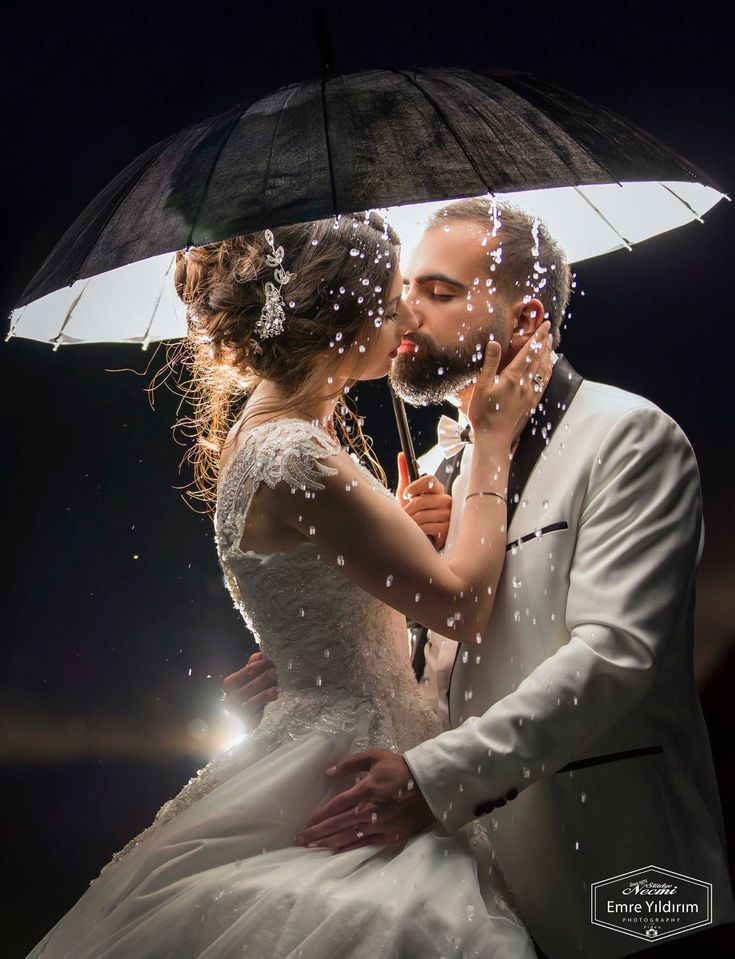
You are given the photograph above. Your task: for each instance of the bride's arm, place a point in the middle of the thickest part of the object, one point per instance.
(384, 552)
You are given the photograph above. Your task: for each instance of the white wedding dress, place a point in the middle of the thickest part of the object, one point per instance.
(216, 875)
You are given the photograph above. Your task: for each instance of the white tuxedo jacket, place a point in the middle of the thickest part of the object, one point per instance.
(588, 654)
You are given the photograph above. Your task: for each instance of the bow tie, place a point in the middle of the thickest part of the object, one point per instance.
(451, 436)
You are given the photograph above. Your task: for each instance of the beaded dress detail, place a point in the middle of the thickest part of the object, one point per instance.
(216, 875)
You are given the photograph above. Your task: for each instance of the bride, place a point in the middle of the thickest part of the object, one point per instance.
(324, 566)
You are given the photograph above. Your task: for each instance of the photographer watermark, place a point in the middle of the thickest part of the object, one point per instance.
(651, 903)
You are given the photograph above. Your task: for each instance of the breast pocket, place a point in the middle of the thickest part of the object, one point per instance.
(536, 534)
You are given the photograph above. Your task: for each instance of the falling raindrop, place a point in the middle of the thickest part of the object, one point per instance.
(389, 580)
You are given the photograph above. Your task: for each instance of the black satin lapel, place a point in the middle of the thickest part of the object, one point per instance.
(564, 383)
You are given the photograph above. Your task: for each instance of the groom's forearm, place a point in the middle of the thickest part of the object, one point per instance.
(572, 697)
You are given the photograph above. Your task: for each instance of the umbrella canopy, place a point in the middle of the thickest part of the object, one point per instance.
(374, 139)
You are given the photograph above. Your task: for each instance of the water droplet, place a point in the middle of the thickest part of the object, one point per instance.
(340, 558)
(354, 252)
(389, 580)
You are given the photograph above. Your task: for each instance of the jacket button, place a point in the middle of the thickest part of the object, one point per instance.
(500, 802)
(485, 808)
(512, 794)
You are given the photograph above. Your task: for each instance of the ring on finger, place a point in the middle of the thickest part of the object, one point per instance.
(358, 832)
(538, 380)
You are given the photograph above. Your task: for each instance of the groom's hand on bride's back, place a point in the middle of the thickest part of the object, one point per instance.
(425, 502)
(250, 689)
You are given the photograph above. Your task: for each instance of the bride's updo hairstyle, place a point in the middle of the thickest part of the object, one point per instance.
(341, 273)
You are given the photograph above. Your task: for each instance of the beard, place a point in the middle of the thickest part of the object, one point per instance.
(435, 374)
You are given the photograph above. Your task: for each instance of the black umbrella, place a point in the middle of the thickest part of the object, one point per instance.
(347, 142)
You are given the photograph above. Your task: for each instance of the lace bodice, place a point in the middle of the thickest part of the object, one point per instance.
(334, 645)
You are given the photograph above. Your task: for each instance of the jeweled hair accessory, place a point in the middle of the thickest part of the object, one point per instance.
(272, 315)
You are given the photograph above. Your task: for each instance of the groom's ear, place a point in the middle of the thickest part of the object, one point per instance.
(527, 318)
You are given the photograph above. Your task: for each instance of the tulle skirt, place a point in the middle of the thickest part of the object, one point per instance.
(218, 877)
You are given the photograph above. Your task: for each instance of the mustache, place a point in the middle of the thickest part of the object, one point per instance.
(421, 340)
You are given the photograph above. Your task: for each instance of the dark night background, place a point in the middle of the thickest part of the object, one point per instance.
(111, 664)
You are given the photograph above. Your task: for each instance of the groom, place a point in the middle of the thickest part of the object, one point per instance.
(574, 731)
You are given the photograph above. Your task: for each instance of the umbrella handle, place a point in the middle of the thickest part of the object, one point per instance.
(404, 434)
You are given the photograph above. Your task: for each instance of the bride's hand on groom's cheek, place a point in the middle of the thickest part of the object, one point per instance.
(383, 808)
(425, 502)
(247, 691)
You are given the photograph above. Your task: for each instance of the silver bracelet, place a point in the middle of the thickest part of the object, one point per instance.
(487, 493)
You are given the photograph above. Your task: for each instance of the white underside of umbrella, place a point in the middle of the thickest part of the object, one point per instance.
(138, 304)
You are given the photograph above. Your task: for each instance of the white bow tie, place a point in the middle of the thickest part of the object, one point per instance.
(451, 436)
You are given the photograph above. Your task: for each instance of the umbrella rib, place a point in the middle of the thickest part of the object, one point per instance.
(270, 155)
(57, 339)
(681, 199)
(238, 116)
(329, 146)
(438, 110)
(602, 216)
(146, 335)
(13, 326)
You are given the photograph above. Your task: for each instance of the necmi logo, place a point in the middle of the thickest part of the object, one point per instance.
(651, 903)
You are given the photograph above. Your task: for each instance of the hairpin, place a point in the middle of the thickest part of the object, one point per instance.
(273, 315)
